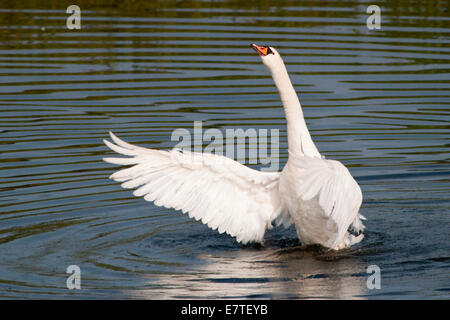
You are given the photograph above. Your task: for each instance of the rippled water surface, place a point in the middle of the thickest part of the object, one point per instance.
(376, 100)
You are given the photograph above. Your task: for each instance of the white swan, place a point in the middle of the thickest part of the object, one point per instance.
(319, 196)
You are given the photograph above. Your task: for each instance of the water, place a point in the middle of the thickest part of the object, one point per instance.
(376, 100)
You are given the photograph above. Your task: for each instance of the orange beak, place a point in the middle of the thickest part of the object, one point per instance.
(262, 51)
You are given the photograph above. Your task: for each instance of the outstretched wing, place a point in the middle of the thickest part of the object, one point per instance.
(339, 195)
(219, 191)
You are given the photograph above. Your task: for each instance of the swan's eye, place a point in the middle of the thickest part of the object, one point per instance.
(269, 51)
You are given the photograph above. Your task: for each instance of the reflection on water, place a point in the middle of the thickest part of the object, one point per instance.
(292, 273)
(376, 100)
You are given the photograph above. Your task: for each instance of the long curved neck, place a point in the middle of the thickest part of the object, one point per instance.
(299, 139)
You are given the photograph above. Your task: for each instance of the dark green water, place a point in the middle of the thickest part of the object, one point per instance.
(376, 100)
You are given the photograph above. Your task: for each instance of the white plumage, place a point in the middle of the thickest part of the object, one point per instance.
(319, 196)
(220, 192)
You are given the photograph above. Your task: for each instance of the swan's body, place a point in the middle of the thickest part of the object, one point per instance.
(319, 196)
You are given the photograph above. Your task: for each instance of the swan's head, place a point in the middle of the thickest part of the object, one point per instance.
(269, 56)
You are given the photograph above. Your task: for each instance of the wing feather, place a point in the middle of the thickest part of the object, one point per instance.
(222, 193)
(339, 195)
